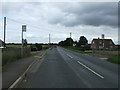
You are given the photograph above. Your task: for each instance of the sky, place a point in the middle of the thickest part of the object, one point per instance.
(89, 19)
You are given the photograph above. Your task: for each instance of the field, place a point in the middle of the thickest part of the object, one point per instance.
(15, 46)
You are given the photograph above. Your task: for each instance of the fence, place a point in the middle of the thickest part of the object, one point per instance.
(11, 54)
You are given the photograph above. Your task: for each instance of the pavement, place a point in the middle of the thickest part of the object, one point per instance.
(62, 68)
(12, 71)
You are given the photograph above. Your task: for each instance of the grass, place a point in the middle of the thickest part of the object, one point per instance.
(45, 48)
(114, 59)
(34, 53)
(76, 49)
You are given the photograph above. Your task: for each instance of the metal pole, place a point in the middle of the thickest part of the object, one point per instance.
(22, 38)
(70, 34)
(4, 29)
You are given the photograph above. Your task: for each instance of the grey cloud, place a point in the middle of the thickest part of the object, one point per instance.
(95, 14)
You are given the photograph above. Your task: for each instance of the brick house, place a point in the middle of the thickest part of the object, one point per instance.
(102, 44)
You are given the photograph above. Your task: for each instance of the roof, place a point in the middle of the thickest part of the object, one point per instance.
(105, 40)
(102, 39)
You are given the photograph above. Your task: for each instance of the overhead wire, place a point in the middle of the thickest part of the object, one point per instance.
(35, 26)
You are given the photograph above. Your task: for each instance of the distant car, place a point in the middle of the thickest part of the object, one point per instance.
(34, 49)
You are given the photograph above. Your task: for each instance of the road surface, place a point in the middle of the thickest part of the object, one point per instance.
(62, 68)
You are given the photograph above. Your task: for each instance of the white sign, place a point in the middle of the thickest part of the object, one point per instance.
(24, 28)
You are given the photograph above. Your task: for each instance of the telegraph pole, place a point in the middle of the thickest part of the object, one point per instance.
(70, 38)
(49, 39)
(70, 34)
(4, 30)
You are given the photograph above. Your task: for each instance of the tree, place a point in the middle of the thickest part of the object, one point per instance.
(67, 42)
(82, 41)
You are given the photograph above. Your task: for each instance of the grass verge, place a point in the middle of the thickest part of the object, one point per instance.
(76, 49)
(114, 59)
(34, 53)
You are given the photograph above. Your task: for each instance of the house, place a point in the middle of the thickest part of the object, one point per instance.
(102, 44)
(1, 43)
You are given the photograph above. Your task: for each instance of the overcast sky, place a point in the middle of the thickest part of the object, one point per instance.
(89, 19)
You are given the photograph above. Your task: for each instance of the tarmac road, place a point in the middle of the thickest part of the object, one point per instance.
(62, 68)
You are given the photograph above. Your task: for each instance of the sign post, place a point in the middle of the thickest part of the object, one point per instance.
(4, 30)
(23, 30)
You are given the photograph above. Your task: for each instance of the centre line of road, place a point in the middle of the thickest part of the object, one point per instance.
(69, 56)
(90, 70)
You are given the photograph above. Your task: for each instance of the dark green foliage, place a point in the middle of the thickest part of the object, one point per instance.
(82, 41)
(67, 42)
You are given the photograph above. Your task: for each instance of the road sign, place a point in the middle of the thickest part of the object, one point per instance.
(24, 28)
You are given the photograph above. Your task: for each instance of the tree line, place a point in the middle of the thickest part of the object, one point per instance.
(82, 42)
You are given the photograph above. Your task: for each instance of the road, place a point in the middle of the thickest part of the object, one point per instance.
(62, 68)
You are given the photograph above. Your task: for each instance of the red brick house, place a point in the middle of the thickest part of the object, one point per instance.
(102, 44)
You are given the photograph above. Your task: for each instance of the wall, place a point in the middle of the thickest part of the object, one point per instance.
(11, 54)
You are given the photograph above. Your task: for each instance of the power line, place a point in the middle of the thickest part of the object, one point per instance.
(35, 26)
(31, 25)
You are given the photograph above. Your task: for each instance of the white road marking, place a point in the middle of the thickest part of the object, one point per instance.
(69, 56)
(90, 70)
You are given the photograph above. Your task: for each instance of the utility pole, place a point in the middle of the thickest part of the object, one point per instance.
(70, 34)
(4, 30)
(70, 38)
(22, 39)
(49, 39)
